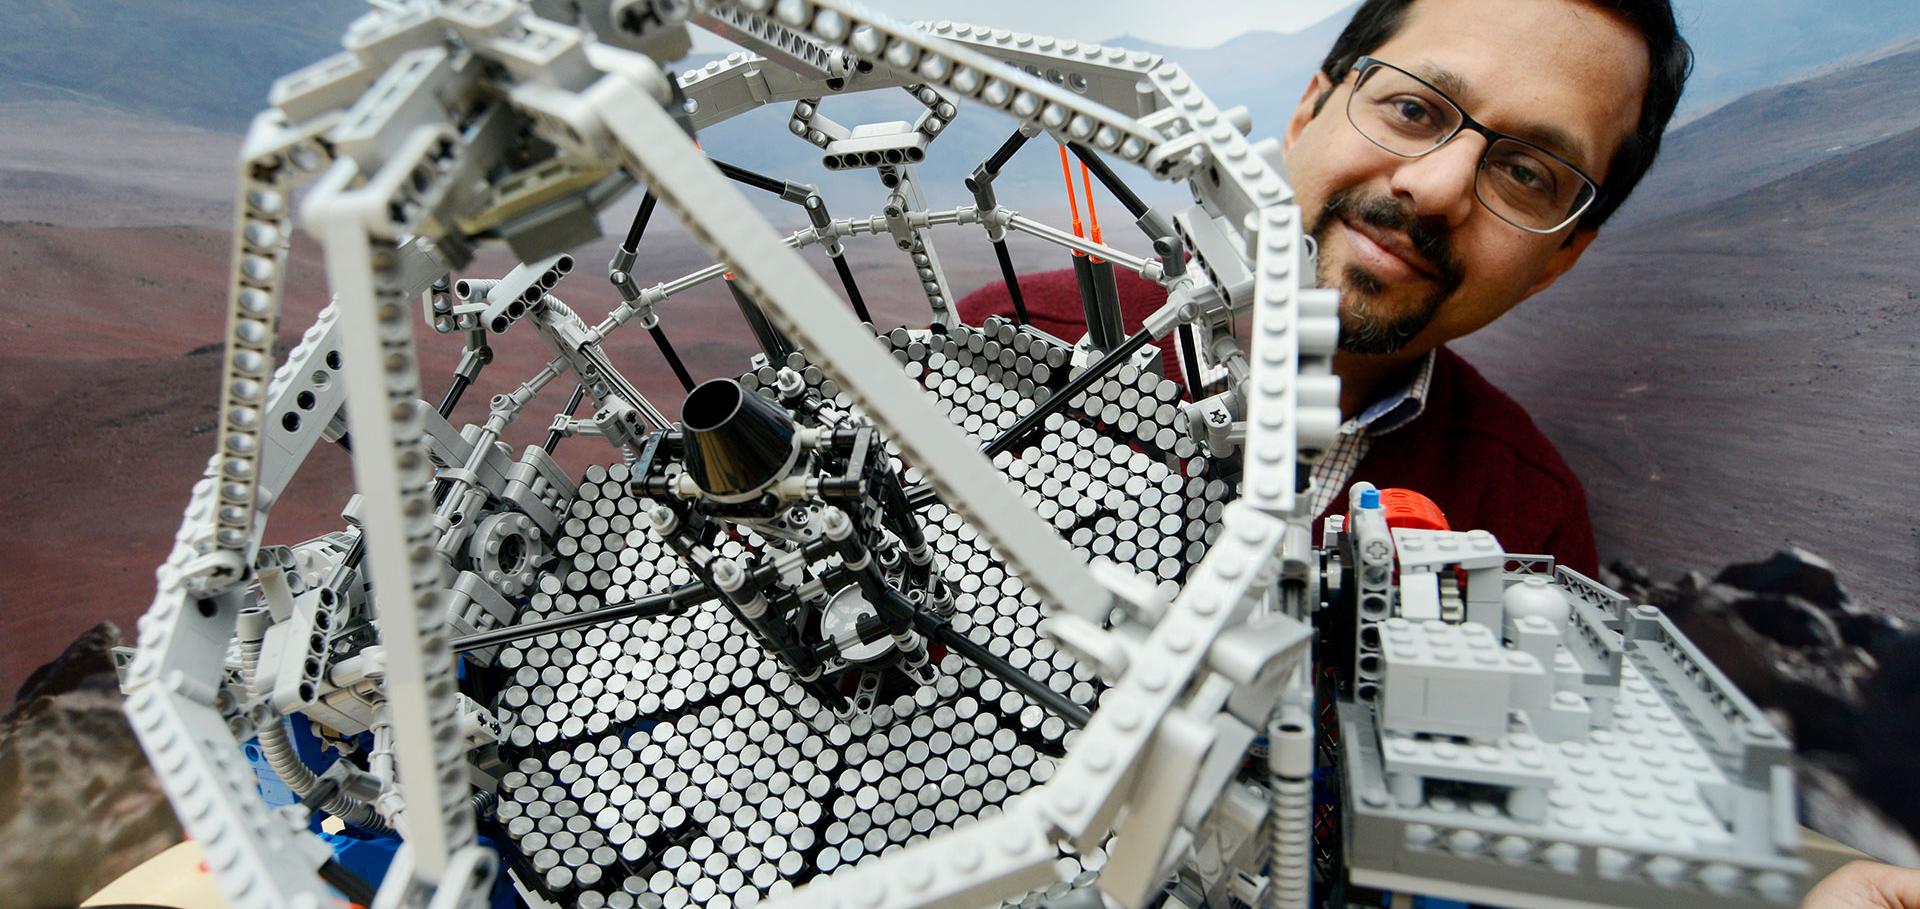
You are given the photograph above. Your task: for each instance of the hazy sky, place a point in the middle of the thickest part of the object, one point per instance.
(1202, 25)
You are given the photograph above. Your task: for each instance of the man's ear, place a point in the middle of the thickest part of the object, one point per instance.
(1564, 257)
(1304, 112)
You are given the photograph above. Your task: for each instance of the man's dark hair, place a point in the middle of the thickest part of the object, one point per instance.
(1376, 21)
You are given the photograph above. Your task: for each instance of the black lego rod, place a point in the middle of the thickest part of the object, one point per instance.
(573, 403)
(1189, 345)
(1013, 282)
(853, 289)
(1106, 364)
(1007, 149)
(351, 885)
(640, 219)
(645, 607)
(1075, 715)
(459, 387)
(756, 180)
(1089, 308)
(673, 359)
(1109, 179)
(1106, 298)
(771, 340)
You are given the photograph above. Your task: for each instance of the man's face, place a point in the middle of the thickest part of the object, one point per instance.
(1417, 259)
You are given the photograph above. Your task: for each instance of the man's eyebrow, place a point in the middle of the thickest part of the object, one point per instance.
(1443, 79)
(1545, 135)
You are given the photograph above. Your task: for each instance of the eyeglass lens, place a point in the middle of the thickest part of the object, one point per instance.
(1517, 181)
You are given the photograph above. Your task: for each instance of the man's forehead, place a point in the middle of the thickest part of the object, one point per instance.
(1561, 73)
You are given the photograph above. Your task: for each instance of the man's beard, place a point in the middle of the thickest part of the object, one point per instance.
(1364, 329)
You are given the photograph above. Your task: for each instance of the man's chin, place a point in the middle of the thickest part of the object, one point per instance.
(1369, 342)
(1376, 319)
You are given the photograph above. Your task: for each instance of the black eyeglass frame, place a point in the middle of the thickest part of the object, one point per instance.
(1365, 65)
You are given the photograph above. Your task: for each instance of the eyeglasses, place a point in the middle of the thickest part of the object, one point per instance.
(1525, 185)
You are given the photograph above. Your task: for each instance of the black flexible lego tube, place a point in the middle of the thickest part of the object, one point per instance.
(1056, 703)
(756, 180)
(1007, 149)
(640, 219)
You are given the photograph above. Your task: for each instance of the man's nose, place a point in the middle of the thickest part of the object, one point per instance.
(1439, 184)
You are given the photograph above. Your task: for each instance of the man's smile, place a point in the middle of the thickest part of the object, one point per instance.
(1387, 254)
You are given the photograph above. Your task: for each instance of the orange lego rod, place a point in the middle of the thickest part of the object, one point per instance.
(1093, 219)
(1073, 200)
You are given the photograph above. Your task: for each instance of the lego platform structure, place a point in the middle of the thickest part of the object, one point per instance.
(939, 614)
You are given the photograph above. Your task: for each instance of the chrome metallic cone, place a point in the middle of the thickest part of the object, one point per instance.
(738, 443)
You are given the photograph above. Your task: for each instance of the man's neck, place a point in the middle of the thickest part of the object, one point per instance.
(1365, 377)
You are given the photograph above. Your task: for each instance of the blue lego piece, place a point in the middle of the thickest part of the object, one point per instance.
(311, 750)
(369, 857)
(364, 854)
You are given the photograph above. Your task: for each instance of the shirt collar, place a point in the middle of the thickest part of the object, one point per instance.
(1399, 408)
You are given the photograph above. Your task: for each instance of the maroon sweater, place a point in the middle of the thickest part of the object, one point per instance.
(1473, 450)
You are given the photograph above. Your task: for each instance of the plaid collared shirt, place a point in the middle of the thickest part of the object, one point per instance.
(1391, 412)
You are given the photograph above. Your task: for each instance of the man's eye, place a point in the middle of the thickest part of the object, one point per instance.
(1524, 174)
(1411, 110)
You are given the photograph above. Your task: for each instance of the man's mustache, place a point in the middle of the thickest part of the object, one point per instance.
(1434, 242)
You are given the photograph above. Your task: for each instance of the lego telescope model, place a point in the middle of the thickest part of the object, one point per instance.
(941, 615)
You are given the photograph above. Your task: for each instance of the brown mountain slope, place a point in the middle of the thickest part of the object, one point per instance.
(83, 162)
(1778, 131)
